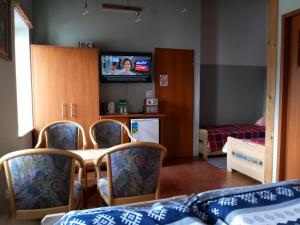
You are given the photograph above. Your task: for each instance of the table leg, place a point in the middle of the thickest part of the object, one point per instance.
(85, 205)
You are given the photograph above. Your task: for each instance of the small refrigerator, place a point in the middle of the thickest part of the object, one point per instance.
(146, 129)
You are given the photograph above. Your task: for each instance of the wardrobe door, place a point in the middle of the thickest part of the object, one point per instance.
(83, 87)
(49, 85)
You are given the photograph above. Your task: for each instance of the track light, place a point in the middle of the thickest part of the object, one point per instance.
(138, 18)
(184, 8)
(85, 10)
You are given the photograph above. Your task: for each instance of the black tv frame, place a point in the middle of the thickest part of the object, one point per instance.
(117, 53)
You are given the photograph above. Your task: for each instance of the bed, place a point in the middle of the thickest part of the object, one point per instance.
(246, 156)
(213, 138)
(270, 204)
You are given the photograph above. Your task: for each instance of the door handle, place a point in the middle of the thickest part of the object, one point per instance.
(73, 110)
(64, 110)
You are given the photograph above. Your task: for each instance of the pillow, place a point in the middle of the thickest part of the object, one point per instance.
(261, 121)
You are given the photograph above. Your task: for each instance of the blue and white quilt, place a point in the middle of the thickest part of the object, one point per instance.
(173, 212)
(271, 204)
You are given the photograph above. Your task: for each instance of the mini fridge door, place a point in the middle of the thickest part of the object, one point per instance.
(145, 129)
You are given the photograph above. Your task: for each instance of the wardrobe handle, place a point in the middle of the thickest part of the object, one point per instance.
(73, 110)
(64, 110)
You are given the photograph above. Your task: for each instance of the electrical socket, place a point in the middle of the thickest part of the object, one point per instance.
(149, 94)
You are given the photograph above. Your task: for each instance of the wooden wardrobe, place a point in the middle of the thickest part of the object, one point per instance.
(65, 84)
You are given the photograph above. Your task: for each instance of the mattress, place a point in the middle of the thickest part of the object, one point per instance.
(260, 141)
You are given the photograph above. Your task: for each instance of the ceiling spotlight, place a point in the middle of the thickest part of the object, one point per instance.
(138, 18)
(184, 9)
(85, 10)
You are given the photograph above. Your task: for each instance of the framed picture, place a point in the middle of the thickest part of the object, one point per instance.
(5, 32)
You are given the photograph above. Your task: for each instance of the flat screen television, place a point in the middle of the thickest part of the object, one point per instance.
(120, 67)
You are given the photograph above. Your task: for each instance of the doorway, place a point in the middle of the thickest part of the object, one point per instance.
(289, 130)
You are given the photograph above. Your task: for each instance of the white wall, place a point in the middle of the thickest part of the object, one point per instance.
(59, 22)
(9, 140)
(285, 6)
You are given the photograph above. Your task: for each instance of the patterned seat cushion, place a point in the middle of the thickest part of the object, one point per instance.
(108, 134)
(41, 181)
(63, 136)
(135, 171)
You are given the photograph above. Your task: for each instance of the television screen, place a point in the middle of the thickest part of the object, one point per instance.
(125, 67)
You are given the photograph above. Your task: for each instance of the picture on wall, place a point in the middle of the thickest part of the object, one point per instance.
(5, 36)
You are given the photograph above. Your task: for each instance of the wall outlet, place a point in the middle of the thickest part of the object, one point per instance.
(149, 94)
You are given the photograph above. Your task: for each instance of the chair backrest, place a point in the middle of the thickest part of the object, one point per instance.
(133, 170)
(107, 133)
(40, 181)
(63, 134)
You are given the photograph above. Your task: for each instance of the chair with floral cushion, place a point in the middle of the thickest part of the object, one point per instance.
(107, 133)
(63, 134)
(41, 182)
(133, 173)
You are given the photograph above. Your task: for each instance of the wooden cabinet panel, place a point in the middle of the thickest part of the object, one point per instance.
(49, 91)
(83, 87)
(65, 85)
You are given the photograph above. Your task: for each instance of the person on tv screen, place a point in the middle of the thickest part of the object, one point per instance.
(127, 66)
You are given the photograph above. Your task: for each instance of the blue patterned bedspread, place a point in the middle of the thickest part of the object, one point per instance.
(173, 212)
(272, 204)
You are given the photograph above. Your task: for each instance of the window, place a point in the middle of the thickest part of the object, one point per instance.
(23, 71)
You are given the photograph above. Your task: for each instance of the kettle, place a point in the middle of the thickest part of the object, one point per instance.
(111, 108)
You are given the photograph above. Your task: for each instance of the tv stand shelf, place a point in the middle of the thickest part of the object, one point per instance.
(125, 118)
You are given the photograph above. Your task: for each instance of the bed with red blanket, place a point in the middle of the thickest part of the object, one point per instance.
(213, 138)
